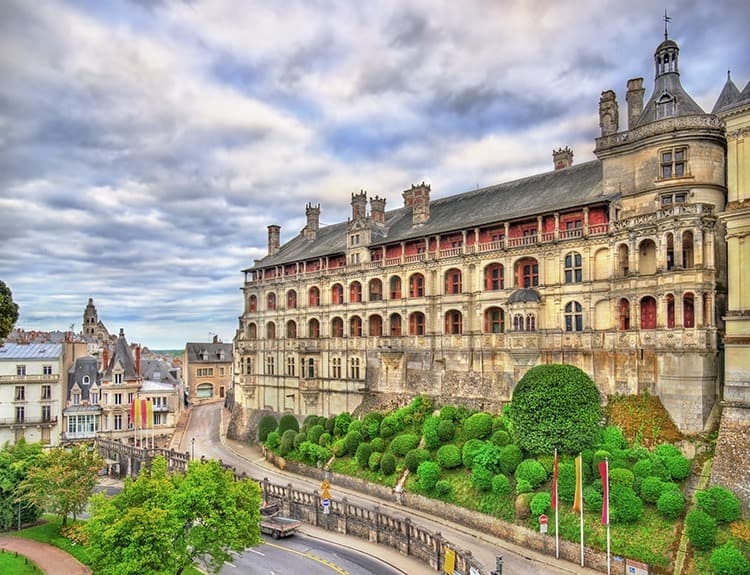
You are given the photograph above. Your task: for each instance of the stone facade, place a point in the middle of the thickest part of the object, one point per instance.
(616, 266)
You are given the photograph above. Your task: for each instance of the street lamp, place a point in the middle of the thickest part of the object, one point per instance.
(193, 449)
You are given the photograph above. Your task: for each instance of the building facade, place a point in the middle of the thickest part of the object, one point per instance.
(208, 370)
(617, 265)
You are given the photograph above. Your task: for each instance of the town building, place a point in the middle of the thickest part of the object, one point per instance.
(208, 370)
(616, 265)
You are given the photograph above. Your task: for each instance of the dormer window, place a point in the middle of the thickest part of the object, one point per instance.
(665, 106)
(673, 163)
(86, 380)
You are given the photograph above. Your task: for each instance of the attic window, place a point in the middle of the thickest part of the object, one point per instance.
(665, 106)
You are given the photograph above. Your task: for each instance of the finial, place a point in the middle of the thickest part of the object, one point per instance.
(667, 20)
(729, 75)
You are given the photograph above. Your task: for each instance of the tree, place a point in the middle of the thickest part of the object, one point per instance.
(163, 522)
(61, 480)
(8, 311)
(15, 461)
(555, 406)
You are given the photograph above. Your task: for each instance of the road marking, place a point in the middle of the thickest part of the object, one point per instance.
(333, 566)
(258, 552)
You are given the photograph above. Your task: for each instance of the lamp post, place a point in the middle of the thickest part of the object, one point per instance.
(192, 456)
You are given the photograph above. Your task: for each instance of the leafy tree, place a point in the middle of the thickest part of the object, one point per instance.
(15, 460)
(8, 311)
(161, 523)
(555, 406)
(61, 480)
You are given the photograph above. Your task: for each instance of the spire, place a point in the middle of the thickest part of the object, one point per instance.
(729, 95)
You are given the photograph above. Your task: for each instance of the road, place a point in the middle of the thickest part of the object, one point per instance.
(205, 426)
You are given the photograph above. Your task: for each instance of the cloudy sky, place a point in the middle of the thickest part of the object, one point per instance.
(146, 145)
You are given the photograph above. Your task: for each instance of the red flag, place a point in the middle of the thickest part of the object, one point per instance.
(143, 412)
(578, 500)
(604, 472)
(554, 483)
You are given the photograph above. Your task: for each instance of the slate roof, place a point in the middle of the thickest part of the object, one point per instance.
(30, 351)
(729, 95)
(122, 354)
(213, 350)
(557, 190)
(158, 370)
(84, 366)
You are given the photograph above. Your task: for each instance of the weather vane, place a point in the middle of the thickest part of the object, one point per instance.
(667, 20)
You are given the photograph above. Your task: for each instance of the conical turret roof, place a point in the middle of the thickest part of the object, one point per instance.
(729, 95)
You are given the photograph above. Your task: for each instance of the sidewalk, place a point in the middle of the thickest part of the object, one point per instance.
(51, 560)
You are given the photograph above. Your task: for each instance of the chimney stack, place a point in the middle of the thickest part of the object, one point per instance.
(105, 358)
(418, 199)
(359, 206)
(609, 113)
(138, 360)
(274, 235)
(377, 210)
(313, 221)
(634, 98)
(562, 158)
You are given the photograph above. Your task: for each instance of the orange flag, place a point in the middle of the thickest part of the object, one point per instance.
(578, 500)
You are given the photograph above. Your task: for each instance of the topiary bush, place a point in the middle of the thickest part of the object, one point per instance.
(500, 485)
(622, 476)
(566, 482)
(387, 464)
(643, 468)
(287, 422)
(651, 489)
(592, 498)
(286, 445)
(540, 503)
(430, 432)
(315, 432)
(469, 451)
(449, 413)
(532, 471)
(481, 478)
(339, 448)
(341, 425)
(378, 444)
(719, 502)
(352, 439)
(728, 560)
(510, 457)
(324, 439)
(666, 450)
(404, 443)
(299, 439)
(428, 474)
(414, 457)
(701, 529)
(555, 406)
(671, 503)
(314, 454)
(448, 456)
(446, 430)
(613, 438)
(478, 426)
(273, 440)
(371, 425)
(266, 425)
(443, 487)
(391, 425)
(500, 438)
(362, 455)
(374, 460)
(678, 466)
(523, 486)
(625, 506)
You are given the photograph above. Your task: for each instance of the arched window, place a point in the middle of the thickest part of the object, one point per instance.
(313, 296)
(494, 320)
(313, 328)
(252, 331)
(530, 322)
(688, 310)
(494, 277)
(527, 273)
(337, 327)
(453, 281)
(355, 326)
(271, 301)
(291, 299)
(355, 292)
(376, 326)
(337, 294)
(395, 321)
(623, 314)
(395, 287)
(647, 257)
(453, 322)
(376, 290)
(670, 311)
(270, 330)
(252, 303)
(687, 249)
(416, 285)
(573, 316)
(518, 322)
(648, 313)
(623, 260)
(573, 269)
(670, 252)
(291, 329)
(416, 323)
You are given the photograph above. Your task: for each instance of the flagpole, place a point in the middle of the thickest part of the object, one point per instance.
(557, 510)
(609, 557)
(579, 488)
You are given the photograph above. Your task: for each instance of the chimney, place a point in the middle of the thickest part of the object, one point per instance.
(562, 158)
(105, 358)
(609, 113)
(313, 221)
(138, 360)
(377, 210)
(634, 98)
(359, 206)
(274, 233)
(418, 198)
(216, 338)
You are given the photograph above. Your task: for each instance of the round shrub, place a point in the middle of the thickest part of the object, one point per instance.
(446, 430)
(678, 466)
(313, 454)
(273, 440)
(371, 424)
(308, 422)
(362, 455)
(622, 476)
(548, 462)
(448, 456)
(659, 469)
(355, 425)
(324, 439)
(499, 423)
(720, 503)
(414, 457)
(651, 488)
(341, 425)
(612, 436)
(625, 505)
(541, 502)
(728, 560)
(566, 482)
(478, 426)
(430, 432)
(443, 487)
(315, 432)
(449, 413)
(510, 458)
(288, 421)
(288, 436)
(666, 450)
(643, 468)
(378, 444)
(391, 425)
(481, 478)
(428, 474)
(374, 461)
(532, 471)
(523, 486)
(599, 456)
(500, 437)
(339, 448)
(266, 425)
(286, 444)
(671, 503)
(555, 406)
(701, 529)
(469, 451)
(500, 485)
(488, 456)
(299, 438)
(352, 439)
(330, 424)
(592, 498)
(404, 443)
(387, 464)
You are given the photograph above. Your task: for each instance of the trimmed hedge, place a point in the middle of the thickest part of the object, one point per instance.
(501, 485)
(374, 460)
(470, 450)
(481, 478)
(541, 503)
(671, 503)
(387, 464)
(364, 450)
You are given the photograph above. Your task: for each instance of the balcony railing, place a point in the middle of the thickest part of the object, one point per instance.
(28, 421)
(46, 378)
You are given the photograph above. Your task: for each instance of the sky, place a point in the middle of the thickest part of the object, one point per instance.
(145, 146)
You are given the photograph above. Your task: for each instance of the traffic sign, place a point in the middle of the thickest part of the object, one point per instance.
(543, 519)
(326, 505)
(326, 494)
(325, 485)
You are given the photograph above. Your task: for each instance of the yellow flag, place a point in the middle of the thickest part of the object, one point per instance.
(450, 561)
(578, 500)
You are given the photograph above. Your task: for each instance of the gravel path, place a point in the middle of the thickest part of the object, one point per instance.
(49, 559)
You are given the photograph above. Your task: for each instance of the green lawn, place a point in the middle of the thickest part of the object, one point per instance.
(17, 564)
